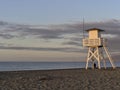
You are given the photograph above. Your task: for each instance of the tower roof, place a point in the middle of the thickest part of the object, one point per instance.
(95, 29)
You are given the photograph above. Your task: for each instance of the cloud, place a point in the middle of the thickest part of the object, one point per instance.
(70, 34)
(72, 43)
(112, 28)
(46, 32)
(7, 36)
(66, 49)
(41, 33)
(57, 31)
(2, 23)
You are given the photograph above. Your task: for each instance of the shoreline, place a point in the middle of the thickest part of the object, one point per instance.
(61, 79)
(89, 68)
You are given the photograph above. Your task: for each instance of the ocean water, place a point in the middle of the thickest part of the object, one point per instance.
(18, 66)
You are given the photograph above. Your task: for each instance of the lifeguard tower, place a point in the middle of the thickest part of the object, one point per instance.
(96, 45)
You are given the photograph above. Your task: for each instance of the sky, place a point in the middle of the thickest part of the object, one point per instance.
(51, 30)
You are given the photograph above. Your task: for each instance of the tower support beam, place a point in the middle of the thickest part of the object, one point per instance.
(109, 56)
(96, 54)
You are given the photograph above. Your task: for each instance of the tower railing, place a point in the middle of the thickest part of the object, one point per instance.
(94, 42)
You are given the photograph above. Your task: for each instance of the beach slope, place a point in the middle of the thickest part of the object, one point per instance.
(65, 79)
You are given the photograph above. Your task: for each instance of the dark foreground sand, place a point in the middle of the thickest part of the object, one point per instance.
(69, 79)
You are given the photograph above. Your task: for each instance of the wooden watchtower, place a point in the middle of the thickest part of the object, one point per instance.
(96, 45)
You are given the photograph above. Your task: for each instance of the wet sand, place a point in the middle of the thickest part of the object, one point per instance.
(66, 79)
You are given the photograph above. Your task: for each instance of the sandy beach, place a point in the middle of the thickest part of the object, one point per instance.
(65, 79)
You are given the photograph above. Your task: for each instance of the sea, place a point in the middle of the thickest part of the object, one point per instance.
(20, 66)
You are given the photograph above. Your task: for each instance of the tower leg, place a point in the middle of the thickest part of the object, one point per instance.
(99, 64)
(104, 62)
(87, 64)
(93, 53)
(110, 59)
(88, 58)
(102, 57)
(93, 64)
(98, 57)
